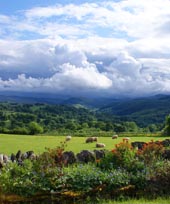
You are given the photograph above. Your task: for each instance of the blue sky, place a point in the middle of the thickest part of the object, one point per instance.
(104, 48)
(10, 7)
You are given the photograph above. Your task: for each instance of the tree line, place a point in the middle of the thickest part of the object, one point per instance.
(18, 118)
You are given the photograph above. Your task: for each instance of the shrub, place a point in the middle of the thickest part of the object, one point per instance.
(138, 179)
(122, 156)
(106, 162)
(43, 174)
(49, 168)
(18, 179)
(35, 128)
(151, 153)
(88, 177)
(159, 180)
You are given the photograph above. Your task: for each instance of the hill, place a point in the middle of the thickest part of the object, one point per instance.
(143, 111)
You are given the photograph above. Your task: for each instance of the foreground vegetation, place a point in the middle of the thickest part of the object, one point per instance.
(123, 173)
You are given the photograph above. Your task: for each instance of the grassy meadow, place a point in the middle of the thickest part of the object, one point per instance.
(140, 201)
(12, 143)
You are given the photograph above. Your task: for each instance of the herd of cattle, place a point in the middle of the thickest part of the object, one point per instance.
(85, 156)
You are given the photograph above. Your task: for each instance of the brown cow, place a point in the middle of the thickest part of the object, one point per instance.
(114, 136)
(100, 145)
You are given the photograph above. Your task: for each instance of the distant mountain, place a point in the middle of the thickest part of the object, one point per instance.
(27, 97)
(94, 103)
(142, 110)
(87, 102)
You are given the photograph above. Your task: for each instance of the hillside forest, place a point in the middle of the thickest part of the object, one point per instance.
(41, 118)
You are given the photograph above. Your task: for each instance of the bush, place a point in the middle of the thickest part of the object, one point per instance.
(151, 153)
(88, 177)
(122, 156)
(159, 180)
(20, 131)
(43, 174)
(19, 180)
(138, 179)
(121, 169)
(35, 128)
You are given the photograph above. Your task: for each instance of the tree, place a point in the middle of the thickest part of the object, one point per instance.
(85, 125)
(71, 125)
(119, 128)
(166, 130)
(152, 128)
(131, 126)
(109, 126)
(35, 128)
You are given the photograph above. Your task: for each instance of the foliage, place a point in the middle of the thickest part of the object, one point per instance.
(166, 130)
(151, 152)
(159, 180)
(20, 118)
(144, 111)
(35, 128)
(121, 156)
(123, 171)
(49, 165)
(18, 179)
(88, 177)
(43, 174)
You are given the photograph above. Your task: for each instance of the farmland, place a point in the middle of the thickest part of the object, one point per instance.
(124, 171)
(139, 201)
(38, 143)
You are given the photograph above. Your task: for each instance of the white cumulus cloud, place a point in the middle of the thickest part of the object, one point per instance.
(105, 48)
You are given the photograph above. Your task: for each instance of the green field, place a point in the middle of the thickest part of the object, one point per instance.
(140, 201)
(12, 143)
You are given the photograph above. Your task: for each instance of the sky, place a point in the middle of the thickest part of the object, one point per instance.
(85, 48)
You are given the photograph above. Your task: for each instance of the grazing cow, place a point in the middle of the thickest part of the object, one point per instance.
(114, 136)
(94, 139)
(91, 139)
(100, 145)
(68, 138)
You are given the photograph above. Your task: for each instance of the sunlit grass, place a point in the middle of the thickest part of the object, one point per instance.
(140, 201)
(13, 143)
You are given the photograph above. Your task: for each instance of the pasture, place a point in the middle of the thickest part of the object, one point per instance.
(12, 143)
(139, 201)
